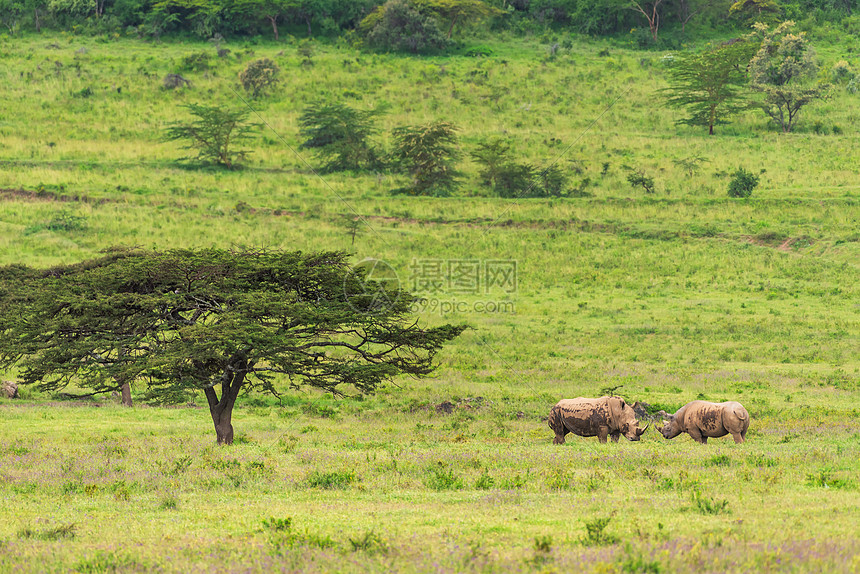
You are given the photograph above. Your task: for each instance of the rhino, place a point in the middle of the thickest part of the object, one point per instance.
(603, 417)
(703, 420)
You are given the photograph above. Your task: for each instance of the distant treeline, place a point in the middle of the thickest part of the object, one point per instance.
(207, 18)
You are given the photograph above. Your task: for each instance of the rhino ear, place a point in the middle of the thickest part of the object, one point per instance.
(663, 414)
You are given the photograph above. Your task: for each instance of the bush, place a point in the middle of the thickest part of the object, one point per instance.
(331, 480)
(638, 178)
(442, 478)
(743, 183)
(596, 534)
(259, 76)
(427, 153)
(196, 62)
(341, 136)
(399, 26)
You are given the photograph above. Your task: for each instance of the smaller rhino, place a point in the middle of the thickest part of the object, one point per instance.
(603, 417)
(703, 420)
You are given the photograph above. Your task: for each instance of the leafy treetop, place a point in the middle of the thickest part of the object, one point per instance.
(196, 320)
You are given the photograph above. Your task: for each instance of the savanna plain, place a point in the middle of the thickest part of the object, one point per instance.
(664, 297)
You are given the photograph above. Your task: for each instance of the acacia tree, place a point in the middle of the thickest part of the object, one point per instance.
(341, 135)
(784, 71)
(427, 153)
(214, 133)
(211, 321)
(709, 84)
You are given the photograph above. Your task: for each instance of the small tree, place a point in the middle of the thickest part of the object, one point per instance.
(273, 11)
(784, 71)
(259, 77)
(652, 11)
(211, 321)
(709, 83)
(340, 135)
(639, 179)
(750, 11)
(492, 155)
(453, 11)
(214, 133)
(690, 165)
(427, 153)
(743, 183)
(515, 180)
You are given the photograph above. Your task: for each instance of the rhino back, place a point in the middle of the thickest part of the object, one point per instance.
(735, 417)
(707, 417)
(584, 416)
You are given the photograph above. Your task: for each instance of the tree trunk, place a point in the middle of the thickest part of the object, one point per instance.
(274, 22)
(451, 29)
(126, 395)
(222, 410)
(310, 32)
(222, 418)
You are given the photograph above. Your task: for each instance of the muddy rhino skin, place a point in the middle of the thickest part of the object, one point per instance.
(603, 417)
(703, 420)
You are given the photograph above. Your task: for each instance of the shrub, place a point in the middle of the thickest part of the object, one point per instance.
(743, 183)
(196, 62)
(427, 153)
(369, 542)
(707, 505)
(842, 73)
(331, 480)
(596, 534)
(174, 81)
(341, 136)
(515, 180)
(492, 155)
(638, 178)
(442, 478)
(485, 481)
(399, 26)
(543, 544)
(259, 76)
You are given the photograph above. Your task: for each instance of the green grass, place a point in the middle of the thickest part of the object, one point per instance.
(674, 296)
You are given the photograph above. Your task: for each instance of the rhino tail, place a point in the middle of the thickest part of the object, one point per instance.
(741, 413)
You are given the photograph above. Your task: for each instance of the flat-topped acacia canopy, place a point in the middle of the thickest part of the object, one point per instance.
(210, 320)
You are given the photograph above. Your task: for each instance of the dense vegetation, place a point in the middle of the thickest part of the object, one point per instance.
(638, 272)
(429, 22)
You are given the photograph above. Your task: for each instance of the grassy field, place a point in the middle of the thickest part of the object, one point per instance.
(674, 296)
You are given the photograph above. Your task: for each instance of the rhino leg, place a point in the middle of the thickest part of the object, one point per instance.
(602, 433)
(615, 436)
(697, 436)
(559, 438)
(739, 437)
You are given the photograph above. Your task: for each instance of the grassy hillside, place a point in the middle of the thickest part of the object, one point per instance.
(674, 296)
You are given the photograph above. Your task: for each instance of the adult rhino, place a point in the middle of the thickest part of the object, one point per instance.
(703, 420)
(603, 417)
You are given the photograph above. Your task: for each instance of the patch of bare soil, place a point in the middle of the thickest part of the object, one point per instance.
(49, 195)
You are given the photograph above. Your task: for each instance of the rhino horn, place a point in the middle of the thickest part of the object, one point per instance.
(640, 432)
